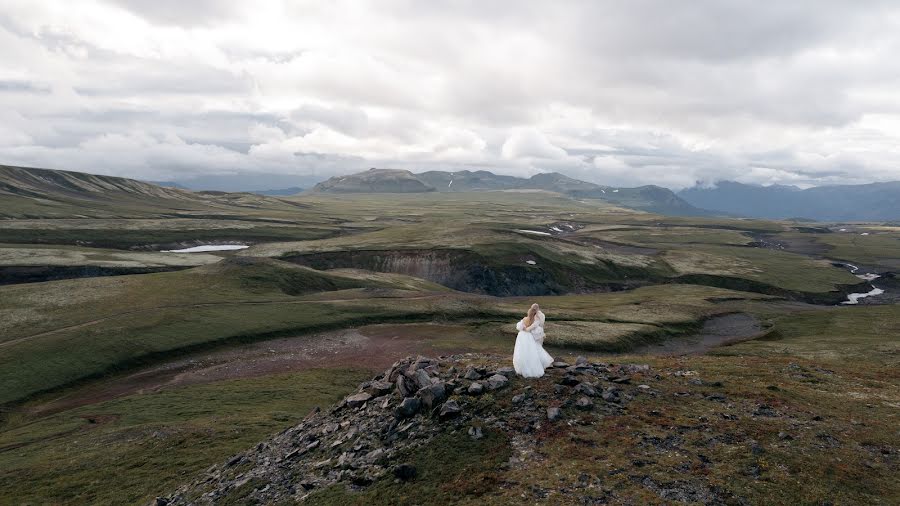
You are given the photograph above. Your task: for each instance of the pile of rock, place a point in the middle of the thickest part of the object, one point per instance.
(370, 434)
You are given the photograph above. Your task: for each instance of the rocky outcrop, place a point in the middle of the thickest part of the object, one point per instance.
(371, 433)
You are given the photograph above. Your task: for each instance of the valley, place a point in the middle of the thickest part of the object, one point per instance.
(128, 369)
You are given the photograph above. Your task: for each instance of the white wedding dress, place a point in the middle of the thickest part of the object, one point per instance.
(529, 357)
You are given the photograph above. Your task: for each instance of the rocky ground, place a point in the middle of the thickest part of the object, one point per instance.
(360, 440)
(586, 433)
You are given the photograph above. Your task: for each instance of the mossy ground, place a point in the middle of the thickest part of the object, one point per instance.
(829, 374)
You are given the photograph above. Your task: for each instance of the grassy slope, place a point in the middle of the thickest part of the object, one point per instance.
(56, 255)
(850, 383)
(132, 449)
(777, 268)
(831, 437)
(846, 356)
(88, 327)
(877, 250)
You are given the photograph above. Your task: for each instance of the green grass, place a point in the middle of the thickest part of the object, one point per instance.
(146, 445)
(881, 249)
(665, 236)
(864, 335)
(836, 363)
(95, 326)
(129, 238)
(485, 224)
(780, 269)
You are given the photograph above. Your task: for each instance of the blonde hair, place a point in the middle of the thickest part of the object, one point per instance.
(532, 311)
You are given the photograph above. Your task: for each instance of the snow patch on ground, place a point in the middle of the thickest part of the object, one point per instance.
(535, 232)
(208, 247)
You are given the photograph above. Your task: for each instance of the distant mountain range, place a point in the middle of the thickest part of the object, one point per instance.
(30, 192)
(280, 192)
(866, 202)
(646, 198)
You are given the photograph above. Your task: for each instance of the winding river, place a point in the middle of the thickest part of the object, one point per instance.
(854, 298)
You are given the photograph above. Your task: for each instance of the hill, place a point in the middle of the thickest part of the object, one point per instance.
(653, 199)
(466, 181)
(868, 202)
(466, 430)
(45, 193)
(46, 184)
(374, 181)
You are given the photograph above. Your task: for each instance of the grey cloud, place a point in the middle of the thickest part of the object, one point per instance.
(18, 86)
(662, 92)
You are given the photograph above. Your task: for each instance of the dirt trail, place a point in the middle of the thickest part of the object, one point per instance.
(373, 347)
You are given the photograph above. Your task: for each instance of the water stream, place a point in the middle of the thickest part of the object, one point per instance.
(854, 298)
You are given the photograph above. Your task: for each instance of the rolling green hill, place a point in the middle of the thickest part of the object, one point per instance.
(45, 193)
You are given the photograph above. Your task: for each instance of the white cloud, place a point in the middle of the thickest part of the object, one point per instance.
(530, 143)
(629, 93)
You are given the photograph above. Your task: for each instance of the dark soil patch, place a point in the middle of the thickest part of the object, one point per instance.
(717, 331)
(17, 274)
(801, 245)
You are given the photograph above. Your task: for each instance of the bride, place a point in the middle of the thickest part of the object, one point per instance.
(529, 357)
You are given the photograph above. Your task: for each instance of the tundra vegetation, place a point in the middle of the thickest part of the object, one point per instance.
(126, 371)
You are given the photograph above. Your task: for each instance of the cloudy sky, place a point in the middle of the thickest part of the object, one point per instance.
(622, 93)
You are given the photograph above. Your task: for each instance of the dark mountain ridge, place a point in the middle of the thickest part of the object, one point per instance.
(865, 202)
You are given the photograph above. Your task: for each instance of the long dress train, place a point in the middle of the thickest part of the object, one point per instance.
(529, 357)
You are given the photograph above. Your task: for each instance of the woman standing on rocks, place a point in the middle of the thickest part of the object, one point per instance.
(529, 357)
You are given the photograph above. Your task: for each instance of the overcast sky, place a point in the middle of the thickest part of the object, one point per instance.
(621, 93)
